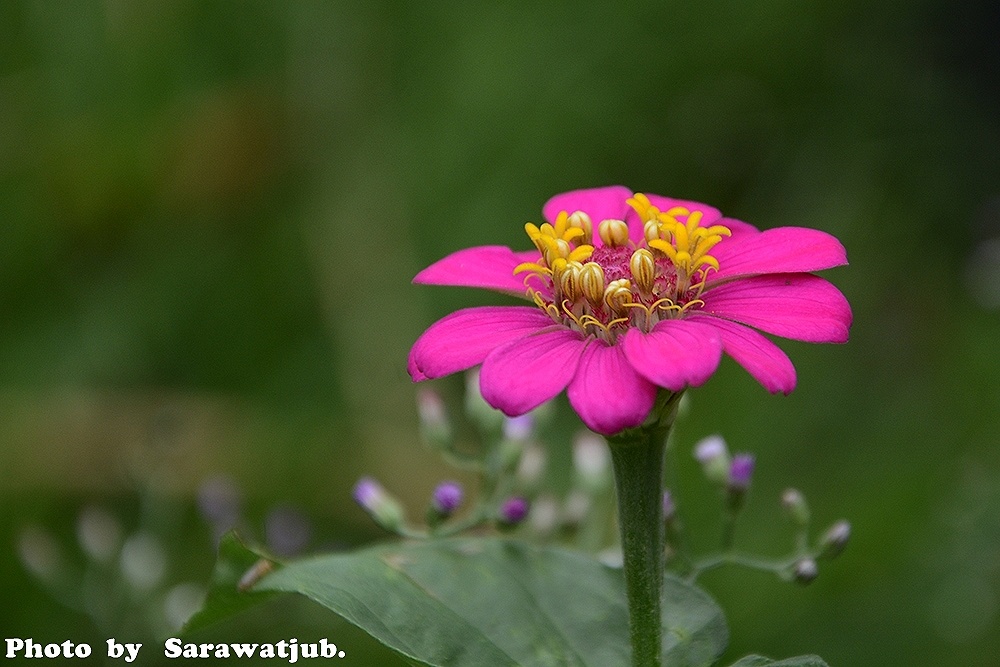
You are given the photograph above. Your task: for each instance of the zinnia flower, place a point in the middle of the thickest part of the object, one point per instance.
(632, 292)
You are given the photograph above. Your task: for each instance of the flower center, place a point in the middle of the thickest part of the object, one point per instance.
(606, 290)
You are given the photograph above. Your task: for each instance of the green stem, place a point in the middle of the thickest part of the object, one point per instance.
(776, 566)
(637, 458)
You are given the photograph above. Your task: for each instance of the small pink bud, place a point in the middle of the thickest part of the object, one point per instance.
(513, 510)
(447, 497)
(740, 472)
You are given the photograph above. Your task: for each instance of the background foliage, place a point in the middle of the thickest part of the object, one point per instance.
(210, 214)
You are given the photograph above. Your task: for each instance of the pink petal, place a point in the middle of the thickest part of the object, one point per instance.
(675, 354)
(599, 203)
(606, 391)
(779, 250)
(464, 338)
(489, 267)
(521, 375)
(759, 356)
(794, 305)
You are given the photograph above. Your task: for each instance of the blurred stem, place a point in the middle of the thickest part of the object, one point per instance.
(728, 530)
(637, 457)
(676, 537)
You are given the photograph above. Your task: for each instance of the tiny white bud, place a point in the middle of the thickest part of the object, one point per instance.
(181, 602)
(39, 552)
(482, 413)
(805, 571)
(709, 448)
(591, 460)
(531, 466)
(835, 539)
(714, 457)
(99, 533)
(544, 516)
(143, 561)
(575, 507)
(795, 504)
(434, 425)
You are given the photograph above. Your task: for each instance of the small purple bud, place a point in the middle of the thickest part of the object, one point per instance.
(513, 510)
(383, 508)
(219, 502)
(368, 493)
(669, 508)
(740, 472)
(447, 497)
(286, 530)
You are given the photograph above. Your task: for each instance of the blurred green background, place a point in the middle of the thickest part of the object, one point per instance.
(210, 214)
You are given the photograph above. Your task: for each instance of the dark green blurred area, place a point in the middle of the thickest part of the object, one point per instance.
(210, 214)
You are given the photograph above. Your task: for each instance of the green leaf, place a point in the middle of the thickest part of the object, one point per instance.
(228, 592)
(471, 602)
(801, 661)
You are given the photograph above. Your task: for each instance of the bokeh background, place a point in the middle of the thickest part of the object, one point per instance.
(210, 213)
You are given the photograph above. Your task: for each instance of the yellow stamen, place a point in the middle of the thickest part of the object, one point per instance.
(652, 230)
(665, 247)
(581, 253)
(688, 244)
(643, 268)
(664, 276)
(533, 267)
(592, 283)
(589, 320)
(568, 278)
(691, 303)
(614, 233)
(566, 231)
(640, 204)
(618, 294)
(707, 260)
(580, 220)
(550, 308)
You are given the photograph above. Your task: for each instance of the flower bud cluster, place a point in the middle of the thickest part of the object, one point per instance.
(108, 562)
(733, 474)
(507, 458)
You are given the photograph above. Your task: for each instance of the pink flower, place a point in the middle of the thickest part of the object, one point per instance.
(631, 293)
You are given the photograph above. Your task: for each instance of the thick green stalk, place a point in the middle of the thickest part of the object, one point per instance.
(637, 457)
